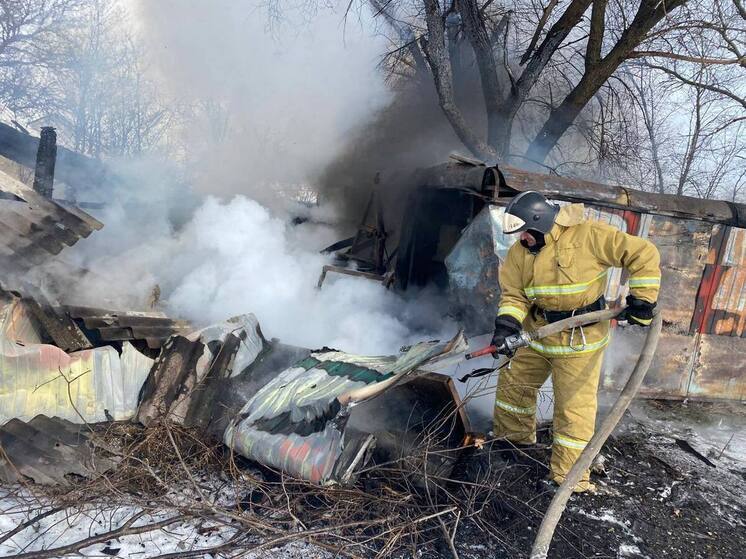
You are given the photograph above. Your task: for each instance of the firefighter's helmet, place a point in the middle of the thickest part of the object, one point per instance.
(529, 210)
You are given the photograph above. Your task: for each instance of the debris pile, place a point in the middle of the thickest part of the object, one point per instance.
(191, 441)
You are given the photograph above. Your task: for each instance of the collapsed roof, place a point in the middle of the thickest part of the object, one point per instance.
(441, 226)
(272, 403)
(32, 227)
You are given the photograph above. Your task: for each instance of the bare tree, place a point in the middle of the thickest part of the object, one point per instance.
(109, 107)
(75, 65)
(30, 31)
(558, 57)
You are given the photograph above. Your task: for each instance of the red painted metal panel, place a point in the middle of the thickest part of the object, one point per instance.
(710, 281)
(721, 306)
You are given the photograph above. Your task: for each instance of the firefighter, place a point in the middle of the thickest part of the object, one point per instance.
(559, 269)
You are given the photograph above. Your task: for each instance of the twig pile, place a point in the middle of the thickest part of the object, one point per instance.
(169, 475)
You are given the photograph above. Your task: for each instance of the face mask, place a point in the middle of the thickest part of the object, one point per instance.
(540, 241)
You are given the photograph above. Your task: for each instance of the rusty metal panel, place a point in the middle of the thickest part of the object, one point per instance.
(719, 369)
(565, 188)
(721, 302)
(668, 376)
(683, 246)
(729, 303)
(703, 289)
(729, 297)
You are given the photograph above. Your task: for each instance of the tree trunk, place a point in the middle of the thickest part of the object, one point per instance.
(499, 124)
(440, 66)
(597, 73)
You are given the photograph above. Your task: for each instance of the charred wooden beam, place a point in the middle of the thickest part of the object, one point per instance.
(71, 167)
(46, 156)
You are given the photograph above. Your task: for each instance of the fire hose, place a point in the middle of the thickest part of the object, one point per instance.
(523, 338)
(554, 512)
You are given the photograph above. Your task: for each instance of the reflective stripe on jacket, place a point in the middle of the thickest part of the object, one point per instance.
(570, 272)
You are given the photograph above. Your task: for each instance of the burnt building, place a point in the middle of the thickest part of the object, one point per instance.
(447, 233)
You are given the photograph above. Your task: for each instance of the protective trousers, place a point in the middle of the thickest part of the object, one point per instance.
(575, 381)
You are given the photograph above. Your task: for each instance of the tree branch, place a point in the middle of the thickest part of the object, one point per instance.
(538, 61)
(685, 57)
(740, 8)
(596, 35)
(539, 28)
(405, 32)
(125, 529)
(440, 66)
(708, 87)
(648, 15)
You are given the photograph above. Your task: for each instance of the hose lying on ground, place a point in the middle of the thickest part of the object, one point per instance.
(543, 539)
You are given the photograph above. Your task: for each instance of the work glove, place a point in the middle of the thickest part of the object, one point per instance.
(638, 312)
(505, 326)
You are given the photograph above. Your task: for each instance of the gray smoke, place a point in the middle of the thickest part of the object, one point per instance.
(265, 112)
(269, 97)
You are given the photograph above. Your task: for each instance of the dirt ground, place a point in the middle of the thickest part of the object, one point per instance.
(657, 498)
(673, 485)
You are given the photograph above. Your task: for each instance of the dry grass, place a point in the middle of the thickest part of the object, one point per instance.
(167, 469)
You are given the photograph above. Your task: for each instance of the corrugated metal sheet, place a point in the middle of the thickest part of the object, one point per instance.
(97, 384)
(154, 328)
(721, 299)
(47, 451)
(32, 228)
(176, 382)
(293, 423)
(727, 307)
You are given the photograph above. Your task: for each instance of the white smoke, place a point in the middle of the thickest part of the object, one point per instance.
(231, 256)
(271, 91)
(241, 259)
(269, 107)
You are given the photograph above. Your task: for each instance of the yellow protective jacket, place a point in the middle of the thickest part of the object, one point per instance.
(570, 272)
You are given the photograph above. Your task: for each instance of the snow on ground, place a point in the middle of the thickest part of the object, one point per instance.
(73, 524)
(608, 516)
